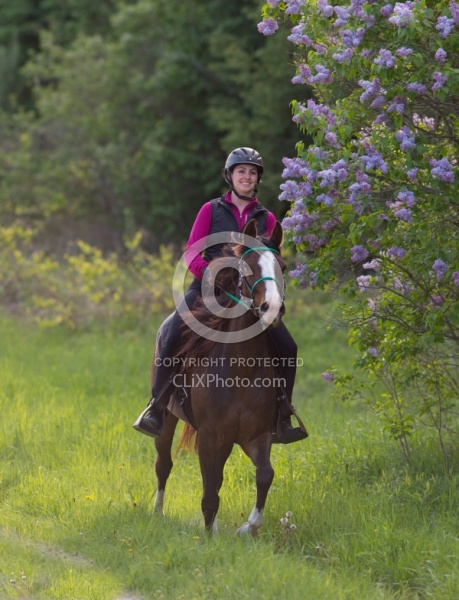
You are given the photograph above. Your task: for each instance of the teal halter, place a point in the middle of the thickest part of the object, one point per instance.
(243, 280)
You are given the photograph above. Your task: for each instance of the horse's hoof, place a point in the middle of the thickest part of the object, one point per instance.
(247, 529)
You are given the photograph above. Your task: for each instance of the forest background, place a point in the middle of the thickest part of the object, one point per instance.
(117, 116)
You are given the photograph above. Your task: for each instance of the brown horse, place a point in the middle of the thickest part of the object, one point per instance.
(230, 380)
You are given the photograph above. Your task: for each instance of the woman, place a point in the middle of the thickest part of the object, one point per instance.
(243, 171)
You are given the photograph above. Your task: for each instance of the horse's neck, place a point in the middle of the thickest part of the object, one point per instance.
(256, 345)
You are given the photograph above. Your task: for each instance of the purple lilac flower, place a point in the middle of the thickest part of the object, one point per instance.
(456, 278)
(397, 105)
(407, 198)
(372, 89)
(328, 177)
(352, 38)
(324, 199)
(372, 352)
(405, 214)
(386, 11)
(273, 3)
(298, 37)
(366, 53)
(299, 220)
(364, 282)
(374, 264)
(305, 75)
(320, 48)
(329, 225)
(454, 8)
(417, 87)
(403, 286)
(320, 110)
(403, 14)
(294, 7)
(343, 16)
(440, 80)
(426, 122)
(373, 160)
(295, 167)
(268, 26)
(331, 139)
(396, 252)
(440, 56)
(313, 243)
(406, 138)
(412, 173)
(324, 8)
(437, 299)
(440, 268)
(380, 119)
(359, 253)
(445, 26)
(343, 57)
(298, 272)
(404, 52)
(304, 72)
(291, 190)
(385, 59)
(328, 376)
(442, 170)
(323, 75)
(318, 152)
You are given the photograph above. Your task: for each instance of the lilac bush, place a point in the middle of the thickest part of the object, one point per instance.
(374, 198)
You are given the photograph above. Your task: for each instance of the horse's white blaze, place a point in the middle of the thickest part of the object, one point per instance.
(267, 262)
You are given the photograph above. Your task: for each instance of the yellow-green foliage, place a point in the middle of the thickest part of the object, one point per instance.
(83, 288)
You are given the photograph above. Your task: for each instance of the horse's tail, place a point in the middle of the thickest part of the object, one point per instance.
(188, 439)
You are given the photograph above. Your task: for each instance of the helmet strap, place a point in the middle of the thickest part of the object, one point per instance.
(241, 197)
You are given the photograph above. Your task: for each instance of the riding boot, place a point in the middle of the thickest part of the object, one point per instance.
(152, 420)
(284, 432)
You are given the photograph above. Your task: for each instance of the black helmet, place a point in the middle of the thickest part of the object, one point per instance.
(243, 156)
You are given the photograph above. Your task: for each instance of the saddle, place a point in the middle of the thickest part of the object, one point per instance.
(180, 401)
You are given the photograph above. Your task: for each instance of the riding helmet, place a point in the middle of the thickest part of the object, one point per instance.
(243, 156)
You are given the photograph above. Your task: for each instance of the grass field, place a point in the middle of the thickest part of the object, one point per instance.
(77, 488)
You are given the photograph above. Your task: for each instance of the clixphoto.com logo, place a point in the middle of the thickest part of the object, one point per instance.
(244, 304)
(207, 380)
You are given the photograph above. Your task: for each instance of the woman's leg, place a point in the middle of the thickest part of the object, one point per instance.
(283, 348)
(153, 419)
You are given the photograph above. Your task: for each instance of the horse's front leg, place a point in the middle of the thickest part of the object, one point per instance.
(163, 463)
(260, 455)
(212, 462)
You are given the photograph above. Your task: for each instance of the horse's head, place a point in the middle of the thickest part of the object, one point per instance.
(261, 274)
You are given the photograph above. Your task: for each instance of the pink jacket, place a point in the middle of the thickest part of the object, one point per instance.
(201, 229)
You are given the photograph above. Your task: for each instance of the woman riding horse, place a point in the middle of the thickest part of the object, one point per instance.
(230, 213)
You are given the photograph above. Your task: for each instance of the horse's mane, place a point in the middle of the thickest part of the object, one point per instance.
(226, 281)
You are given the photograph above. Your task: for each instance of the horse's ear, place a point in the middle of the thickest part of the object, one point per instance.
(277, 235)
(251, 228)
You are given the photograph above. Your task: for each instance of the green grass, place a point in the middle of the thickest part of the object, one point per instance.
(77, 488)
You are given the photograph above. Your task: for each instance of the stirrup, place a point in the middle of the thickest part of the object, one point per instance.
(142, 426)
(292, 434)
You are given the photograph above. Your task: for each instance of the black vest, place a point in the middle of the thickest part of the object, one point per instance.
(224, 220)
